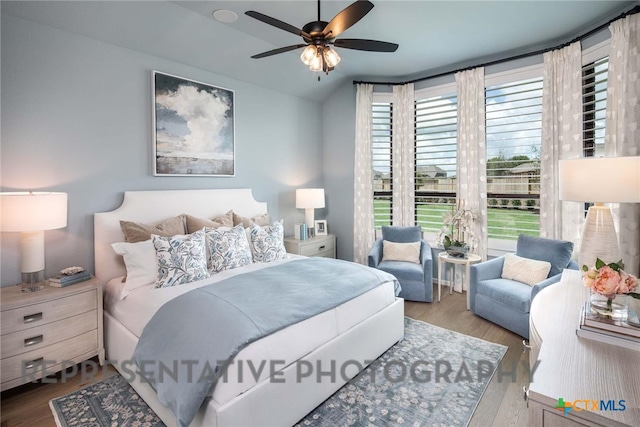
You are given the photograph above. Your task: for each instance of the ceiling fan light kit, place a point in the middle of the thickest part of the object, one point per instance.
(319, 58)
(319, 35)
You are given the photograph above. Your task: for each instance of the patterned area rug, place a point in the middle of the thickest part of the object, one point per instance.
(433, 377)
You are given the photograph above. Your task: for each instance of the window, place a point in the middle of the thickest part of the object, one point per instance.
(382, 131)
(436, 131)
(594, 109)
(594, 106)
(513, 135)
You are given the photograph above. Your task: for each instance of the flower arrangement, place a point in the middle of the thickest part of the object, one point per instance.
(609, 280)
(456, 230)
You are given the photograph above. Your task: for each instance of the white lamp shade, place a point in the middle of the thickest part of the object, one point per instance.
(32, 211)
(309, 198)
(602, 179)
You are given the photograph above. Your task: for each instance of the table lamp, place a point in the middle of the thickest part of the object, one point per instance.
(30, 213)
(309, 199)
(600, 180)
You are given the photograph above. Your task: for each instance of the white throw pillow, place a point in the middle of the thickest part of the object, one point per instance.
(228, 248)
(267, 243)
(140, 262)
(408, 252)
(525, 270)
(181, 259)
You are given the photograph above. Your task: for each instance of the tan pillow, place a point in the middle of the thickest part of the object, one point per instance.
(525, 270)
(138, 232)
(260, 220)
(408, 252)
(194, 223)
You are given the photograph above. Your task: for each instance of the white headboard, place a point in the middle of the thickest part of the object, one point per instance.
(156, 206)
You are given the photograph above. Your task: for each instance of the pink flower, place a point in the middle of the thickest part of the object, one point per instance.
(628, 283)
(607, 282)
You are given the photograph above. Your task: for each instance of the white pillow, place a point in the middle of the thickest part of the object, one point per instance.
(267, 243)
(228, 249)
(408, 252)
(525, 270)
(140, 261)
(181, 259)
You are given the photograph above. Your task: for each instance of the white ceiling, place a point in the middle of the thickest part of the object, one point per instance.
(433, 35)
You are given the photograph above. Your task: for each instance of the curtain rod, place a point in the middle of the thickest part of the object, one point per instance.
(581, 37)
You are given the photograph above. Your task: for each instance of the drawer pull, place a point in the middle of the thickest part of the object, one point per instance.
(33, 341)
(33, 318)
(33, 363)
(321, 248)
(525, 346)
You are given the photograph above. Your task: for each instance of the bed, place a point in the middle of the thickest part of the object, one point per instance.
(350, 335)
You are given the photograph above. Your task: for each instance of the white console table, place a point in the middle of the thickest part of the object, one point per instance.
(575, 368)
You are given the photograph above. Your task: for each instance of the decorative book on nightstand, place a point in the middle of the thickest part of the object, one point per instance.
(319, 246)
(46, 331)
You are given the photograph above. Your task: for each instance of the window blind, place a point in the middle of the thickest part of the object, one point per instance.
(594, 106)
(382, 131)
(436, 132)
(513, 135)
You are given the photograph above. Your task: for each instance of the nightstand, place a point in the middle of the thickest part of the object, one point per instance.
(49, 330)
(320, 246)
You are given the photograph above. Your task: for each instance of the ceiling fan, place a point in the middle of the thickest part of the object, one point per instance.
(319, 35)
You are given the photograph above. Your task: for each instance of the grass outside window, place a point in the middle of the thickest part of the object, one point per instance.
(506, 223)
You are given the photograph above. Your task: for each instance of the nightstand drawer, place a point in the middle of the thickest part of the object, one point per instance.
(326, 254)
(317, 249)
(13, 368)
(51, 333)
(26, 317)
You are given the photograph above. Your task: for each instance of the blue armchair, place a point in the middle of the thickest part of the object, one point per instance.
(416, 279)
(507, 302)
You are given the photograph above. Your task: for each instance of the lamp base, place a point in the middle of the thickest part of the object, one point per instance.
(599, 238)
(32, 282)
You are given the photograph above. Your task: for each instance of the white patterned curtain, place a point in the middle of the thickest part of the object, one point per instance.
(561, 139)
(363, 226)
(472, 152)
(622, 137)
(403, 156)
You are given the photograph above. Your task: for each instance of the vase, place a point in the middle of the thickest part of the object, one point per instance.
(616, 309)
(458, 251)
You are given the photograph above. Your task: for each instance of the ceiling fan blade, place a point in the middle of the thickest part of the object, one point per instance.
(363, 44)
(277, 23)
(277, 51)
(349, 16)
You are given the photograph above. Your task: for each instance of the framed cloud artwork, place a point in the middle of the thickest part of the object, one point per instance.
(193, 128)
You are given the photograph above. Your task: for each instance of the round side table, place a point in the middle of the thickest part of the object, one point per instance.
(444, 257)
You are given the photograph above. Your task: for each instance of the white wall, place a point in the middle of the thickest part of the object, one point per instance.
(76, 117)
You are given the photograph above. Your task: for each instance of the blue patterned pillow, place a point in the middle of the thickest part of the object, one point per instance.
(268, 242)
(181, 259)
(228, 248)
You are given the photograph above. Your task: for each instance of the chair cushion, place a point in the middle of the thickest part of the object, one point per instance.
(525, 270)
(513, 294)
(555, 252)
(403, 270)
(401, 234)
(408, 252)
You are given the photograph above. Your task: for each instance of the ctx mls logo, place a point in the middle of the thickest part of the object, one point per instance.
(590, 405)
(563, 406)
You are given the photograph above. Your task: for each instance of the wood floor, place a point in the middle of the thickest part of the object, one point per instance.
(501, 404)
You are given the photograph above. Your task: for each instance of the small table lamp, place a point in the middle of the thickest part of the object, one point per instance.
(30, 213)
(309, 199)
(601, 180)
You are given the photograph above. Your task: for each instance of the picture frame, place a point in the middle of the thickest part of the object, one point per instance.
(193, 127)
(320, 227)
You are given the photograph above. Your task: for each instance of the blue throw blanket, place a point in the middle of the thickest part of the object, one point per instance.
(187, 345)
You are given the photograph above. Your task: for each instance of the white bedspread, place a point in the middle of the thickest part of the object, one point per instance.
(286, 345)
